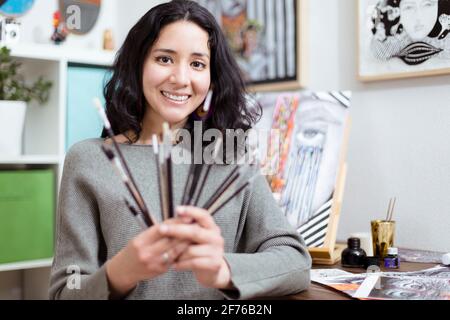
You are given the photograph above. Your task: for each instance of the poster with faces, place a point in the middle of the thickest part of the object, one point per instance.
(403, 38)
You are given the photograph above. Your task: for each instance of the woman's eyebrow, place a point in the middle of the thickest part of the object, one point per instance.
(200, 54)
(171, 51)
(165, 51)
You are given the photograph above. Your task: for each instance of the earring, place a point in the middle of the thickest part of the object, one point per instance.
(204, 111)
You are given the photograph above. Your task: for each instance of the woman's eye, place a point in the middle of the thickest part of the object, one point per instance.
(164, 59)
(198, 65)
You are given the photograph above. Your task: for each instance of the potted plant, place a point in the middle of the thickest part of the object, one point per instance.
(14, 96)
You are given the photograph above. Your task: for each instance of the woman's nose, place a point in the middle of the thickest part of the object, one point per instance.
(180, 75)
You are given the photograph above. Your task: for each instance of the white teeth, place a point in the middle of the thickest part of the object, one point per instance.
(173, 97)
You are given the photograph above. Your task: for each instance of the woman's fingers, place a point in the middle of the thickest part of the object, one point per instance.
(191, 232)
(201, 263)
(201, 216)
(197, 251)
(148, 236)
(152, 234)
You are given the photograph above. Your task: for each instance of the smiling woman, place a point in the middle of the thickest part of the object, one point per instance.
(169, 64)
(176, 75)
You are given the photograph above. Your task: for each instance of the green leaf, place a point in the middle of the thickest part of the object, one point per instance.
(13, 86)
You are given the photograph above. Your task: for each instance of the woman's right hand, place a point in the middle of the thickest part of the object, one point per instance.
(146, 256)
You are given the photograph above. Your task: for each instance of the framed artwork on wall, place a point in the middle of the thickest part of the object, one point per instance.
(267, 39)
(307, 167)
(403, 38)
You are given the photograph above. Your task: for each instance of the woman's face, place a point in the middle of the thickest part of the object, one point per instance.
(176, 74)
(418, 17)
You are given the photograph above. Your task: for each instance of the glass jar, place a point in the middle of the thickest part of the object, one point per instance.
(353, 256)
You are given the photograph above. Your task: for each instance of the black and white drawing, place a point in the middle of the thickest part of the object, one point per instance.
(402, 38)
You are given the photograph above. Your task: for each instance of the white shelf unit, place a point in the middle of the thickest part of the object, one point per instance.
(45, 125)
(23, 265)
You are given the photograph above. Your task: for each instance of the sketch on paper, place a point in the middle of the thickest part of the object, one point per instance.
(262, 36)
(428, 284)
(397, 37)
(311, 130)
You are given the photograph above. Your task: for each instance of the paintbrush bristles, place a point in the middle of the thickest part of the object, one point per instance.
(207, 103)
(217, 147)
(155, 143)
(101, 112)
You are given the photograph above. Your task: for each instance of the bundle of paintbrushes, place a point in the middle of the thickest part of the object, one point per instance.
(196, 179)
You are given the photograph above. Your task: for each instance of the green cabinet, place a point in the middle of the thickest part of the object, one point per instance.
(27, 207)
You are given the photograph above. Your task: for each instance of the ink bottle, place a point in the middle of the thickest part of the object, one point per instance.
(353, 256)
(392, 261)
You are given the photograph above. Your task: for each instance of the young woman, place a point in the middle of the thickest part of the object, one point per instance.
(171, 58)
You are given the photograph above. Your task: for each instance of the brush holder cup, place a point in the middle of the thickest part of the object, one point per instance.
(383, 233)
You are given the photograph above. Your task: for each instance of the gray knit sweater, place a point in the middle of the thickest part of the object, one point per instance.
(265, 254)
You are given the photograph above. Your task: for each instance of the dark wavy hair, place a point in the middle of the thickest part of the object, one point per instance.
(383, 17)
(125, 101)
(443, 8)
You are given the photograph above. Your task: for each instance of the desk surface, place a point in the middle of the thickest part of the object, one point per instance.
(321, 292)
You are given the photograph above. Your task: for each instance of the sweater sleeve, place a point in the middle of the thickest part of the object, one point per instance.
(271, 258)
(78, 270)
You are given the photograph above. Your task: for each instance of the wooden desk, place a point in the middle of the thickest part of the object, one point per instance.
(321, 292)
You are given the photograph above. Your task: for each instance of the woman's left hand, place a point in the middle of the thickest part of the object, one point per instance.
(204, 257)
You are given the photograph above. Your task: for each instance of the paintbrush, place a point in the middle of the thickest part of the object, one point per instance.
(208, 169)
(167, 141)
(229, 180)
(222, 200)
(392, 209)
(193, 174)
(388, 209)
(137, 215)
(107, 125)
(155, 145)
(128, 184)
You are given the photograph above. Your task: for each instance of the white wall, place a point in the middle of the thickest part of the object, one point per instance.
(129, 13)
(399, 138)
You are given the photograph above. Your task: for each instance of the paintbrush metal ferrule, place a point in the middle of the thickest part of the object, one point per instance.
(116, 163)
(144, 224)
